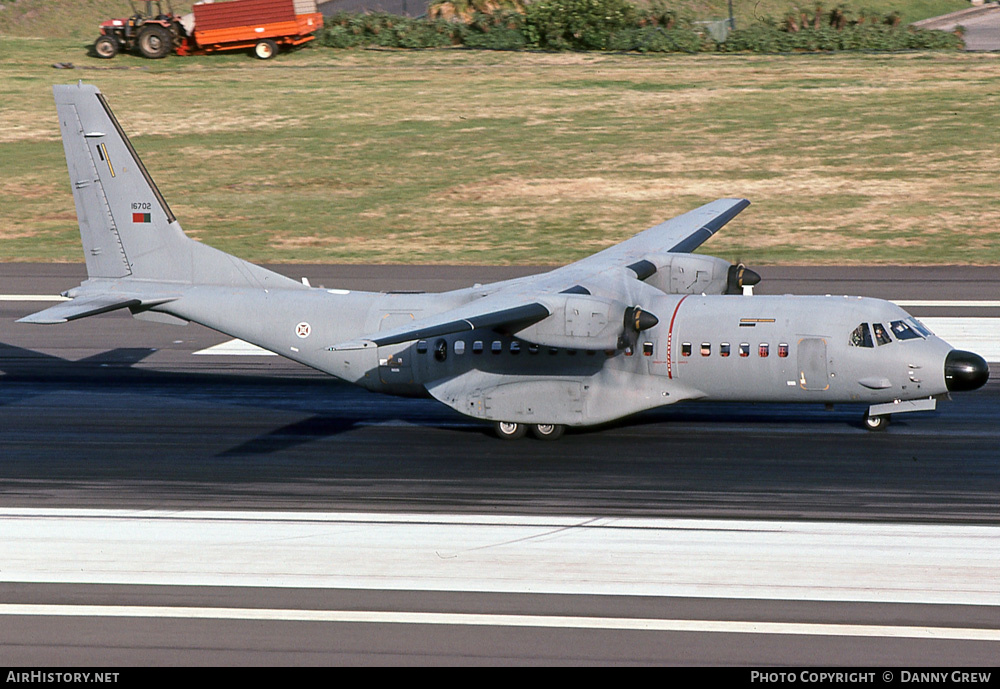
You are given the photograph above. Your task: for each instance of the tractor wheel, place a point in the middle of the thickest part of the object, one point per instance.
(106, 47)
(265, 49)
(155, 42)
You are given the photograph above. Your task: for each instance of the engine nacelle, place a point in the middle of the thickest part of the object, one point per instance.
(697, 274)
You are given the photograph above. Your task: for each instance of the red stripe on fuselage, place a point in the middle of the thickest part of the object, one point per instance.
(670, 337)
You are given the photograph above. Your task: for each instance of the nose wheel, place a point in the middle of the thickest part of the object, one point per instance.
(876, 422)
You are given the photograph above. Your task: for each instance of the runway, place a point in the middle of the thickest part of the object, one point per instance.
(678, 536)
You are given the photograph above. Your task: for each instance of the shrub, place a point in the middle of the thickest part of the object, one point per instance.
(655, 39)
(391, 31)
(577, 24)
(498, 30)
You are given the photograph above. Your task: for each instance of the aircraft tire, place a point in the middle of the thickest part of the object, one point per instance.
(155, 42)
(106, 47)
(510, 430)
(265, 49)
(547, 431)
(876, 423)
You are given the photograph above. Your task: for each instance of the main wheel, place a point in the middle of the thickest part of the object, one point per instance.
(106, 47)
(877, 422)
(155, 42)
(510, 430)
(265, 49)
(547, 431)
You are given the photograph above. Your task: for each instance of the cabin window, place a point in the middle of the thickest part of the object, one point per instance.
(904, 332)
(553, 351)
(497, 346)
(515, 347)
(532, 349)
(628, 351)
(783, 350)
(647, 349)
(862, 337)
(744, 349)
(685, 349)
(706, 348)
(881, 335)
(571, 352)
(763, 349)
(440, 350)
(477, 347)
(724, 349)
(422, 347)
(460, 347)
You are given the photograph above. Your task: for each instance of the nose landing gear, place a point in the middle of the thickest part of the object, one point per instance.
(876, 422)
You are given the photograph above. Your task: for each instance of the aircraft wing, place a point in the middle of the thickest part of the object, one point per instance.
(554, 308)
(682, 234)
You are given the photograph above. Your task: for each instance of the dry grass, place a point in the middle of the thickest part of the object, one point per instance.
(466, 157)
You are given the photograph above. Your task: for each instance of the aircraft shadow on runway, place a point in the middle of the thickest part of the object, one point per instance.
(39, 373)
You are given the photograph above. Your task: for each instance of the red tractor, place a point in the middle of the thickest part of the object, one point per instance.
(153, 32)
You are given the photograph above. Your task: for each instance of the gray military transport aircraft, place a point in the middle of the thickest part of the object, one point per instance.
(639, 325)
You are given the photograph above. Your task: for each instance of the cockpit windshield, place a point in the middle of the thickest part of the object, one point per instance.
(862, 336)
(901, 330)
(919, 327)
(867, 336)
(881, 336)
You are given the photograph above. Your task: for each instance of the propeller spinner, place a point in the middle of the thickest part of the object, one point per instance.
(740, 276)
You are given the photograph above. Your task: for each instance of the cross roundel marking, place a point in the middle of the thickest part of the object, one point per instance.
(303, 329)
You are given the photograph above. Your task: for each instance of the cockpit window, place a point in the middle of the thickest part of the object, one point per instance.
(881, 336)
(919, 327)
(902, 331)
(862, 336)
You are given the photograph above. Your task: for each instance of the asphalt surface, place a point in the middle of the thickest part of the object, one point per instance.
(980, 26)
(108, 412)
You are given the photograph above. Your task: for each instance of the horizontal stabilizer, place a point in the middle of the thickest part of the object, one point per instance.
(81, 307)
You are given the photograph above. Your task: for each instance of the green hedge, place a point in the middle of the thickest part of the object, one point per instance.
(763, 38)
(618, 25)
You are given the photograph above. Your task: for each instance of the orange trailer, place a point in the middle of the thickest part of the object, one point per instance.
(265, 26)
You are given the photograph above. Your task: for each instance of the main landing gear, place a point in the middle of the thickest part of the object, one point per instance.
(511, 430)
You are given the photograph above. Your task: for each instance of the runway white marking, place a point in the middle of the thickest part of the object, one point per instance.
(235, 348)
(906, 563)
(500, 620)
(947, 303)
(979, 335)
(32, 297)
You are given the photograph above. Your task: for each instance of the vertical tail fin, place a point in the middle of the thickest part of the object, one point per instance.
(127, 228)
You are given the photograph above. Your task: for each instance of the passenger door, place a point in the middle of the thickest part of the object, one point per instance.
(812, 364)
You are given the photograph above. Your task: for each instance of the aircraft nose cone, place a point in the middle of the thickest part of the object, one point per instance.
(965, 371)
